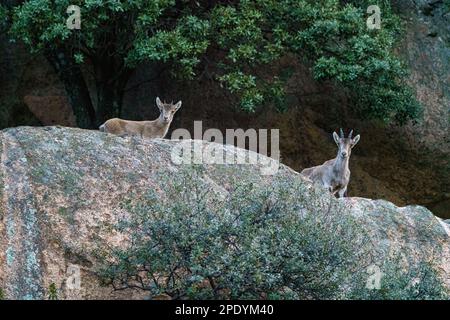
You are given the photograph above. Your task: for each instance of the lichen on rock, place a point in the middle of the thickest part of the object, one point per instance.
(63, 191)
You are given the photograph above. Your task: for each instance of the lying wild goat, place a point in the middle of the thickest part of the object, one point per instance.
(334, 174)
(145, 129)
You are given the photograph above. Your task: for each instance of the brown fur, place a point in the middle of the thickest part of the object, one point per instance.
(334, 174)
(144, 129)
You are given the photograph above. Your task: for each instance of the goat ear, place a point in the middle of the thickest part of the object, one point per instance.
(355, 140)
(178, 105)
(159, 103)
(336, 137)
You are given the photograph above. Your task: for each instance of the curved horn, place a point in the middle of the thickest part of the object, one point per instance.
(342, 133)
(350, 134)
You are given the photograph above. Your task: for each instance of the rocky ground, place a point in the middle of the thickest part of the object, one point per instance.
(61, 194)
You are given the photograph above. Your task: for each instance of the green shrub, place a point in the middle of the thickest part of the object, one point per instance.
(447, 5)
(252, 243)
(52, 292)
(275, 241)
(418, 282)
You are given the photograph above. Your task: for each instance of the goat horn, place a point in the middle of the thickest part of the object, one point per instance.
(342, 133)
(350, 134)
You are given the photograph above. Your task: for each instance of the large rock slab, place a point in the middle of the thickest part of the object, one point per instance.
(61, 191)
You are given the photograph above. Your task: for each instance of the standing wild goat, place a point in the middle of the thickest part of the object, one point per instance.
(334, 174)
(145, 129)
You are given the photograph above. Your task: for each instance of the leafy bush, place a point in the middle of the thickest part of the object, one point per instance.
(275, 241)
(447, 4)
(52, 292)
(252, 243)
(418, 282)
(238, 39)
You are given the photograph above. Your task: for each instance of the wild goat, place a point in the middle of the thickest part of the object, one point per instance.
(334, 174)
(145, 129)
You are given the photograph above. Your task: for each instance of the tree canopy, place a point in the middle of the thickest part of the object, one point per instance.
(238, 37)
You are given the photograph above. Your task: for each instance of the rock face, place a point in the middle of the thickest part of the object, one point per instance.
(403, 165)
(61, 192)
(426, 50)
(54, 110)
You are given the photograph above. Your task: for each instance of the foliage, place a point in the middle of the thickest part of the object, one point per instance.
(256, 242)
(239, 38)
(52, 292)
(334, 37)
(419, 282)
(3, 17)
(2, 294)
(249, 245)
